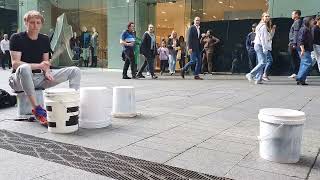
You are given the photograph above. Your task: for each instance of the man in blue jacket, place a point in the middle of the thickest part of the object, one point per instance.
(194, 49)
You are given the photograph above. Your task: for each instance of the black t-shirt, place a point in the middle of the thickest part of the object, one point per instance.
(32, 50)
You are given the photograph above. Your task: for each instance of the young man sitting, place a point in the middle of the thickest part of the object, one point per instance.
(31, 66)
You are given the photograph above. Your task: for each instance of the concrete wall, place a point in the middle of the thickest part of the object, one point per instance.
(283, 8)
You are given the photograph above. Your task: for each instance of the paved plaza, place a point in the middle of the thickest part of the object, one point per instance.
(185, 129)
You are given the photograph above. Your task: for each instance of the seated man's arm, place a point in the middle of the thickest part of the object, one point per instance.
(16, 61)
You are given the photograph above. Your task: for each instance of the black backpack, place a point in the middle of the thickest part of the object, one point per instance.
(6, 100)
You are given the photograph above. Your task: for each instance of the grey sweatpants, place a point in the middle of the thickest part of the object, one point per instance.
(24, 80)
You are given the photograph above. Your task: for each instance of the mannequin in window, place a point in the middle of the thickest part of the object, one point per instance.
(94, 47)
(85, 44)
(75, 46)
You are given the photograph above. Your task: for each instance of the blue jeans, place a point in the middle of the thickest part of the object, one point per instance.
(195, 58)
(262, 59)
(305, 66)
(269, 63)
(172, 62)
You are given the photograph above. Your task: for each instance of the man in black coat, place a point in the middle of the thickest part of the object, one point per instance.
(194, 49)
(148, 49)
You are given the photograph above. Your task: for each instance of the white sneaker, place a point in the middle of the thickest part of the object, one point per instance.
(148, 73)
(258, 82)
(265, 78)
(249, 77)
(293, 76)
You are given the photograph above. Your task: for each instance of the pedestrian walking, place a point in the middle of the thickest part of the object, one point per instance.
(305, 44)
(163, 52)
(316, 40)
(293, 38)
(271, 30)
(263, 47)
(173, 46)
(148, 49)
(181, 56)
(127, 41)
(5, 48)
(250, 47)
(194, 49)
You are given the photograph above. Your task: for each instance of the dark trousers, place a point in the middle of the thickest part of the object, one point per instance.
(252, 59)
(94, 62)
(207, 61)
(295, 63)
(182, 61)
(163, 65)
(150, 62)
(6, 59)
(129, 60)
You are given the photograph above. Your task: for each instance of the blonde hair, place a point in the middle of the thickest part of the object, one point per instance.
(172, 33)
(264, 14)
(33, 14)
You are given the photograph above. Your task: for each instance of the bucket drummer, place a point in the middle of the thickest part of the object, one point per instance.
(31, 65)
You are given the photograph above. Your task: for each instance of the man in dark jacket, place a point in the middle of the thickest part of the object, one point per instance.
(194, 49)
(250, 47)
(293, 38)
(148, 49)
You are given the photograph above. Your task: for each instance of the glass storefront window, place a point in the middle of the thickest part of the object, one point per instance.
(171, 17)
(80, 13)
(233, 9)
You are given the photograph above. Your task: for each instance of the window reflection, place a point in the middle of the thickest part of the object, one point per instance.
(80, 13)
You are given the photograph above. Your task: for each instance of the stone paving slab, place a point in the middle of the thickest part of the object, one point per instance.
(206, 126)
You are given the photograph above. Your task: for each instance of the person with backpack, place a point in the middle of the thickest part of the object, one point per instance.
(293, 38)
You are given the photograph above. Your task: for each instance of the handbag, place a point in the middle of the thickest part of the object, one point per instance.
(179, 54)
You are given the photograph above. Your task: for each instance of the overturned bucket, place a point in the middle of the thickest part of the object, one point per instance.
(93, 108)
(281, 134)
(124, 102)
(62, 107)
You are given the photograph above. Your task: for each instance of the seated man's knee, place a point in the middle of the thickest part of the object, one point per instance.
(76, 71)
(24, 69)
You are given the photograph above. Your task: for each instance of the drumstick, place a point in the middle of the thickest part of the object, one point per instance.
(57, 53)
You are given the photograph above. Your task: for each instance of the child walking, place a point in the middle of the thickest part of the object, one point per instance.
(163, 52)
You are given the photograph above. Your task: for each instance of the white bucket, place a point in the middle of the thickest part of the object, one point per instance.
(24, 105)
(93, 108)
(124, 102)
(62, 107)
(281, 134)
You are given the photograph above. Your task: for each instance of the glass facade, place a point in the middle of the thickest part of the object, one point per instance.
(229, 19)
(8, 17)
(80, 13)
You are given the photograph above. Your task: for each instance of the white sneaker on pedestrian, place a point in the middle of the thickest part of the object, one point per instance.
(265, 78)
(148, 73)
(258, 82)
(249, 77)
(293, 76)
